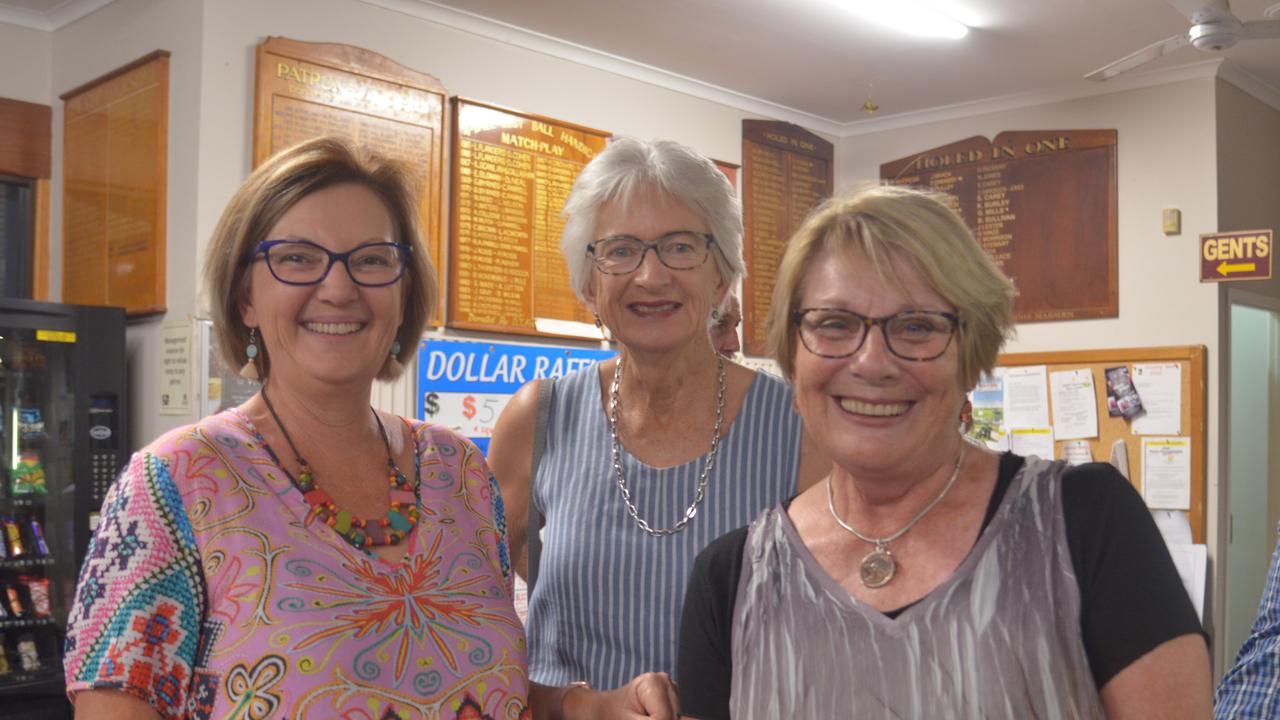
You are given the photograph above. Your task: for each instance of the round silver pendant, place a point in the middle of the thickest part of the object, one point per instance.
(877, 568)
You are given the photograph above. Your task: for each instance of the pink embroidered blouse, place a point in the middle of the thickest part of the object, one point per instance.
(206, 594)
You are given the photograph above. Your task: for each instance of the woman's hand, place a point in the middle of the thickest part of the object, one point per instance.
(651, 695)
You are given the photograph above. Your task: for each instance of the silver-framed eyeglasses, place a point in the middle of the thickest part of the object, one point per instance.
(915, 335)
(302, 262)
(679, 250)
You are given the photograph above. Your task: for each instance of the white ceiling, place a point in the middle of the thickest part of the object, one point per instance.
(814, 62)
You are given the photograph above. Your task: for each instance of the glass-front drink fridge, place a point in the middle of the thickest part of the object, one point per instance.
(63, 421)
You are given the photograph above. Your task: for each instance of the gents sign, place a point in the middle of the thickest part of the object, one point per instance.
(1236, 256)
(1043, 205)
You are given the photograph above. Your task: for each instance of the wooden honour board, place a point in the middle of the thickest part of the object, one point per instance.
(512, 172)
(786, 171)
(115, 160)
(1192, 420)
(309, 90)
(1043, 205)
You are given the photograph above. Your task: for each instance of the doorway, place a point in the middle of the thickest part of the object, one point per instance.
(1253, 464)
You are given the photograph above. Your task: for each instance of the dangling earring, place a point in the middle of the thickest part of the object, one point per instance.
(250, 369)
(599, 322)
(392, 367)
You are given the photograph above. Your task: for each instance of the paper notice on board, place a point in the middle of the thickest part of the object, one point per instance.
(1077, 452)
(1192, 562)
(1032, 441)
(1075, 404)
(987, 399)
(1026, 398)
(1160, 387)
(175, 368)
(1166, 472)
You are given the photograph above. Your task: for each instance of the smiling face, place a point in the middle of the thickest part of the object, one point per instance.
(873, 412)
(335, 332)
(654, 308)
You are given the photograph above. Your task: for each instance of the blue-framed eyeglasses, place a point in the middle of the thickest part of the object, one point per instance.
(302, 262)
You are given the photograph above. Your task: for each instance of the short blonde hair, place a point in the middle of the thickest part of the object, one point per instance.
(268, 193)
(884, 223)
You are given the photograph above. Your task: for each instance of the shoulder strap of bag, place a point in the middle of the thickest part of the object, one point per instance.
(534, 541)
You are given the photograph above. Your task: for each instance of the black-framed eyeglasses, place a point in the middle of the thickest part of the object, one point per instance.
(302, 262)
(679, 250)
(916, 335)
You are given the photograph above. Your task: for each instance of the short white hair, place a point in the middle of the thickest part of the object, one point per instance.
(628, 169)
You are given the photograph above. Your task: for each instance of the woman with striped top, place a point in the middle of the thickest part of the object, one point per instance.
(653, 454)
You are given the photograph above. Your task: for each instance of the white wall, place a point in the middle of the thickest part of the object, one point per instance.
(1166, 158)
(25, 55)
(94, 45)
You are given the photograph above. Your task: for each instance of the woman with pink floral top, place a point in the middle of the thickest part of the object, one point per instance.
(304, 555)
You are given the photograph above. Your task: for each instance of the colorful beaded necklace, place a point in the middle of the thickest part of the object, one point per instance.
(390, 530)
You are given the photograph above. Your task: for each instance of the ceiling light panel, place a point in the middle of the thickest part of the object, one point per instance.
(922, 18)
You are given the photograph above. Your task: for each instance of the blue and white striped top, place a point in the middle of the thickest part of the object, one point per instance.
(607, 603)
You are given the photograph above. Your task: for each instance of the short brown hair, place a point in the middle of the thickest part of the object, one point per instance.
(268, 193)
(883, 223)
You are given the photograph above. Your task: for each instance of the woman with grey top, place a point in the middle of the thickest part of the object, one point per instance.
(649, 456)
(927, 577)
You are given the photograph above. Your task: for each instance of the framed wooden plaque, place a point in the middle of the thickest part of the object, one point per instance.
(115, 140)
(512, 172)
(786, 171)
(309, 90)
(729, 170)
(1043, 205)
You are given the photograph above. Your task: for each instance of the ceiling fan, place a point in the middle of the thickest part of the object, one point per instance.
(1213, 27)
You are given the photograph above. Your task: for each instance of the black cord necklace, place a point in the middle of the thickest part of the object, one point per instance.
(389, 530)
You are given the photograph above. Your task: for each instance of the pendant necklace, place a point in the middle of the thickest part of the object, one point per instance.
(360, 533)
(878, 567)
(701, 490)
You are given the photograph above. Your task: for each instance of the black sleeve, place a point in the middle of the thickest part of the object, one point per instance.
(704, 665)
(1132, 596)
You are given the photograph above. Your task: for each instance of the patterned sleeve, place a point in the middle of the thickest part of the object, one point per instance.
(1251, 688)
(135, 623)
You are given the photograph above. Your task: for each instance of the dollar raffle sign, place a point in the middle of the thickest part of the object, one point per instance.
(465, 385)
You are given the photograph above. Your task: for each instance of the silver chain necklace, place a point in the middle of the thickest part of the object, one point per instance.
(878, 567)
(706, 469)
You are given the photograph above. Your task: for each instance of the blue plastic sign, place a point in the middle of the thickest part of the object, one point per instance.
(465, 385)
